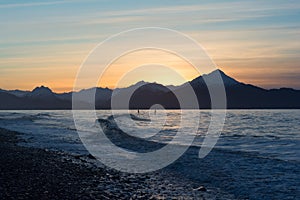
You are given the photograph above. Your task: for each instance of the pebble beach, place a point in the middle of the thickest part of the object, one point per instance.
(32, 173)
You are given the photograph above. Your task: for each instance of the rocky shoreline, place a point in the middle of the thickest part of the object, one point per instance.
(30, 173)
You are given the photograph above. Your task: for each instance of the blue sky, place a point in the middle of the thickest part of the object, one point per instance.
(45, 42)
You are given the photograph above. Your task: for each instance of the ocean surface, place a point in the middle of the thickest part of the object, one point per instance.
(257, 155)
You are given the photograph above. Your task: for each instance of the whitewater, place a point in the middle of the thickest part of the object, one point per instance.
(257, 155)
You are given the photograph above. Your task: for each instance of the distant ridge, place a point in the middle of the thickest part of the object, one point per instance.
(239, 96)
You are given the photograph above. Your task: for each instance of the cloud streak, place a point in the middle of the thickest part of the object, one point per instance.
(237, 34)
(34, 4)
(15, 5)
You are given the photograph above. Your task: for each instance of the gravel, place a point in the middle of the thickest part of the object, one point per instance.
(30, 173)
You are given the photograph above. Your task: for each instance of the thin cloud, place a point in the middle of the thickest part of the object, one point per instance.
(33, 4)
(233, 6)
(14, 5)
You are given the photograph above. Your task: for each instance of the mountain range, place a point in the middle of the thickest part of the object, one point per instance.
(143, 95)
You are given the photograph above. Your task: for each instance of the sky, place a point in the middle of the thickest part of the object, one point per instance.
(46, 42)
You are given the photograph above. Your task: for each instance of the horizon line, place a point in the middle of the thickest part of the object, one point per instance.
(110, 88)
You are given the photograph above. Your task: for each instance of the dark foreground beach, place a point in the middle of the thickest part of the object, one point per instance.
(29, 173)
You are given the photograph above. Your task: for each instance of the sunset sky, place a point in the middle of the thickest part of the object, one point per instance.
(45, 42)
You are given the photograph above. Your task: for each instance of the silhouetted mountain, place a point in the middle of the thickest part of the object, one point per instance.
(39, 98)
(212, 79)
(40, 93)
(241, 95)
(141, 95)
(145, 95)
(102, 96)
(18, 93)
(9, 101)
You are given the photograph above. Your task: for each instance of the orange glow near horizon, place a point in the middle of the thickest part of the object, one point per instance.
(254, 42)
(58, 72)
(150, 66)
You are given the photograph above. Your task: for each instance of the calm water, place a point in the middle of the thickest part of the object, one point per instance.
(259, 148)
